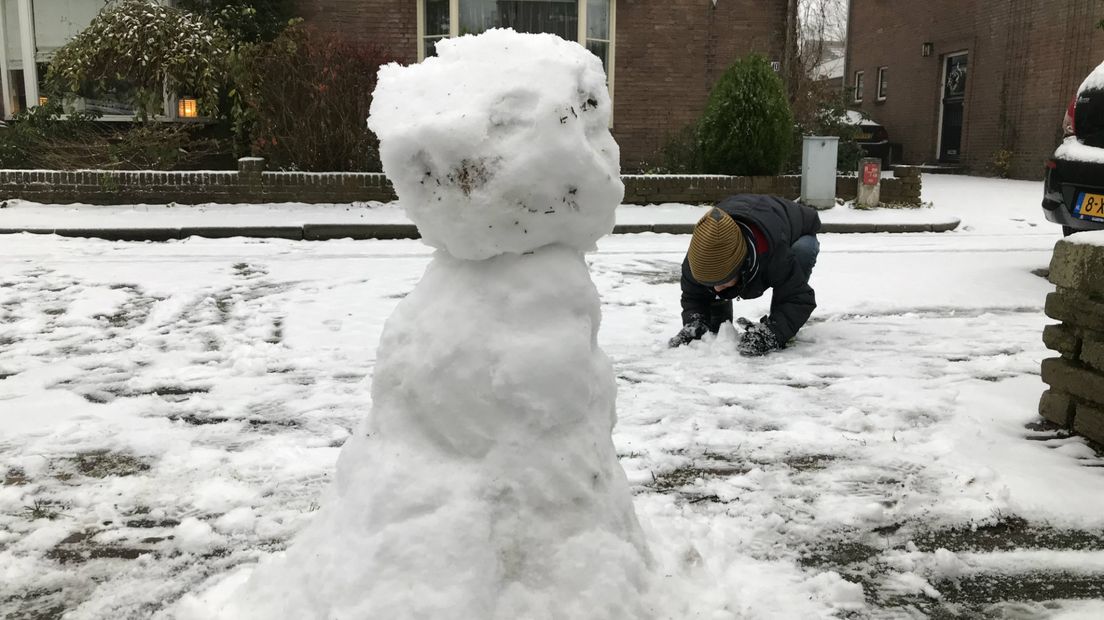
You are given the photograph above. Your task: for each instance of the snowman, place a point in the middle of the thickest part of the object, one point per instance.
(483, 483)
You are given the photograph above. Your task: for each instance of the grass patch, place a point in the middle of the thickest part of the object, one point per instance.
(44, 509)
(99, 464)
(1006, 534)
(16, 477)
(80, 547)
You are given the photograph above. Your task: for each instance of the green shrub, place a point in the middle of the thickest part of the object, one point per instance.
(149, 47)
(827, 116)
(45, 138)
(747, 126)
(245, 21)
(679, 153)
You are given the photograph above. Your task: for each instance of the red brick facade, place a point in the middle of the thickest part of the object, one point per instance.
(390, 23)
(1026, 59)
(667, 54)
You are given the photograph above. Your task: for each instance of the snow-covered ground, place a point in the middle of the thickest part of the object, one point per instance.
(169, 412)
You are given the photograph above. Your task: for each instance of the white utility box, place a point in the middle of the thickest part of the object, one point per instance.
(818, 171)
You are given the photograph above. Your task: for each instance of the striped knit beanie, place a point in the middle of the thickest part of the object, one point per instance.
(717, 249)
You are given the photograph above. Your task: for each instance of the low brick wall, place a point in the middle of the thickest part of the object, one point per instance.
(649, 189)
(104, 187)
(1075, 399)
(250, 184)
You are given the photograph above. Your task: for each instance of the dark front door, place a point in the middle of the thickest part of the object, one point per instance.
(954, 95)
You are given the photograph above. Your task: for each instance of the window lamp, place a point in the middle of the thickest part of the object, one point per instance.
(187, 107)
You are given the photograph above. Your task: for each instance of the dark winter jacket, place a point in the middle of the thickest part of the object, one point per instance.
(777, 224)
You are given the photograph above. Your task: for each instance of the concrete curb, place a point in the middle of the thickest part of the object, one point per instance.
(322, 232)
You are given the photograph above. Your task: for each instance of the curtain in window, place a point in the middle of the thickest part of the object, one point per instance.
(558, 17)
(436, 26)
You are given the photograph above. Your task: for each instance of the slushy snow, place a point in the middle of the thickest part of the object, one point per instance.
(484, 483)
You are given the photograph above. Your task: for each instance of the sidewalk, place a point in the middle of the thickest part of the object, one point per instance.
(373, 220)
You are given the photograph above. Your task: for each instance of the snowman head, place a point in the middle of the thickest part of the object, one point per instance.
(500, 144)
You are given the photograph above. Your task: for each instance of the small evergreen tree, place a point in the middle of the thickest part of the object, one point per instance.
(747, 126)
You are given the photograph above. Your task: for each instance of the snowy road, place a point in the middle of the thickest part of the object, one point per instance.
(172, 411)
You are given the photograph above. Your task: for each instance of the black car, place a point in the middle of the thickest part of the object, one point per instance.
(1073, 194)
(873, 138)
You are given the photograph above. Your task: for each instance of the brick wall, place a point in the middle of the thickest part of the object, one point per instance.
(1075, 399)
(251, 185)
(667, 54)
(390, 23)
(1027, 58)
(248, 185)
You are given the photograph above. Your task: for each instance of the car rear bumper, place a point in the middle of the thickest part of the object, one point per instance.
(888, 152)
(1065, 182)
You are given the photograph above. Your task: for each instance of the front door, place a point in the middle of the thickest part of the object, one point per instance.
(954, 96)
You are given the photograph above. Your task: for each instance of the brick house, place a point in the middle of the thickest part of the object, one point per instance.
(662, 57)
(972, 82)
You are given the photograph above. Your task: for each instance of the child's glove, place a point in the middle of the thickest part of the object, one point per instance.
(689, 332)
(758, 339)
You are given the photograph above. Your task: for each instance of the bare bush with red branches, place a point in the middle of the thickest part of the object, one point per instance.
(305, 97)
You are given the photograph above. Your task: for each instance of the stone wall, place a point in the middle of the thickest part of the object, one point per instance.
(1075, 399)
(250, 184)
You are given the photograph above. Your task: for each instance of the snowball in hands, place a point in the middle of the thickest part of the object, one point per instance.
(484, 483)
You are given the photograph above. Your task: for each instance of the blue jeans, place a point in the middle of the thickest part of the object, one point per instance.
(805, 250)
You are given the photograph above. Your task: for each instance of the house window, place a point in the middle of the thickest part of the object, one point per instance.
(588, 22)
(434, 25)
(858, 86)
(882, 82)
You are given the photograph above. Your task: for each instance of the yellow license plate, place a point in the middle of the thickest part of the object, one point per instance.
(1090, 206)
(864, 136)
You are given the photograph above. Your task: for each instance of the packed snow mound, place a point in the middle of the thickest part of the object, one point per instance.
(485, 483)
(500, 144)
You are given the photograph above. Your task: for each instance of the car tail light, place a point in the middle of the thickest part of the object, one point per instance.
(881, 135)
(1068, 128)
(1051, 164)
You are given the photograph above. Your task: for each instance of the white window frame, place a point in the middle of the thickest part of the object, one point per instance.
(454, 31)
(880, 94)
(859, 86)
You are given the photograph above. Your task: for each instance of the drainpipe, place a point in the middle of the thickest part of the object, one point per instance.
(847, 46)
(789, 54)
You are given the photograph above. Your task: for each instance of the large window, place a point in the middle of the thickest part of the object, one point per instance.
(589, 22)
